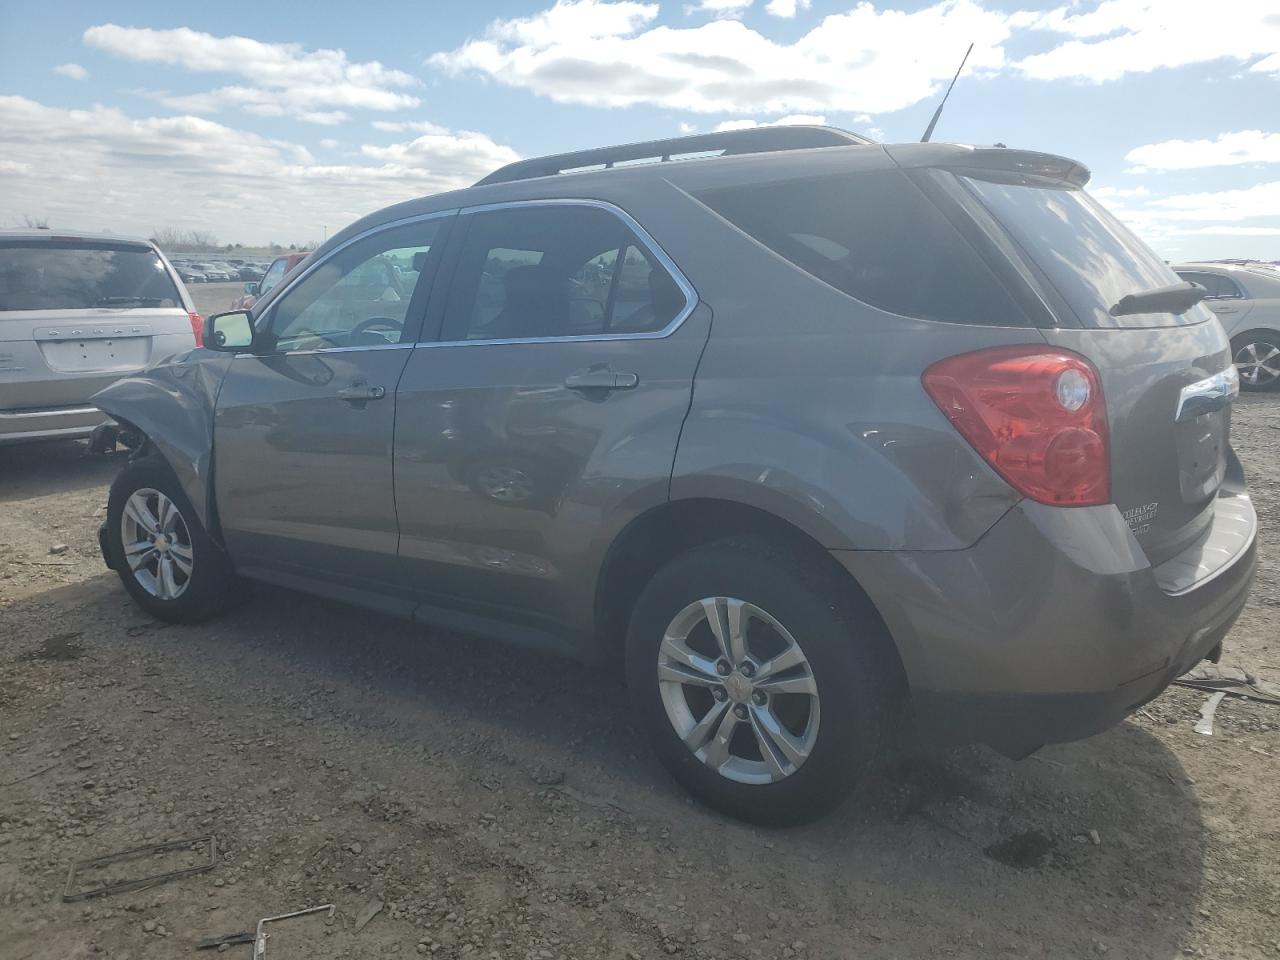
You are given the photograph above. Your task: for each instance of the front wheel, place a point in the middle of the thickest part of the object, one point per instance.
(1257, 358)
(158, 547)
(755, 673)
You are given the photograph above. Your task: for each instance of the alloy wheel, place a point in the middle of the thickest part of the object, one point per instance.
(1258, 363)
(157, 544)
(738, 690)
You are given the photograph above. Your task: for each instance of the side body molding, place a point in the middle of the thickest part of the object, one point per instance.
(172, 404)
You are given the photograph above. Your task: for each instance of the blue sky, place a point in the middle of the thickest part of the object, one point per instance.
(264, 122)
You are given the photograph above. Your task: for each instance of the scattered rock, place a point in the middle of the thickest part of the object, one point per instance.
(58, 548)
(149, 926)
(547, 776)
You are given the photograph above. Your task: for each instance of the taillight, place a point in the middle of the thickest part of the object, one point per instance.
(197, 328)
(1035, 414)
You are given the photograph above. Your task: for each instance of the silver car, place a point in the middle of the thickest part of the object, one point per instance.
(804, 438)
(77, 312)
(1246, 298)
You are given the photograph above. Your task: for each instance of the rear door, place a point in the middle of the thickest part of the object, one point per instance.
(1169, 419)
(303, 428)
(546, 413)
(78, 314)
(1226, 298)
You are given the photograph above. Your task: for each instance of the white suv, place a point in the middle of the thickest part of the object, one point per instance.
(77, 312)
(1246, 298)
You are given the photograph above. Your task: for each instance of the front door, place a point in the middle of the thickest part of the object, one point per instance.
(546, 413)
(304, 427)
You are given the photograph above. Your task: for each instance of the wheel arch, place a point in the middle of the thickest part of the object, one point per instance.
(170, 410)
(668, 529)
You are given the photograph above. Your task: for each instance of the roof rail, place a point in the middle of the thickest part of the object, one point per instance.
(727, 142)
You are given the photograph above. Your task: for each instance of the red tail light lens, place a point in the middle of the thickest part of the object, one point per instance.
(1035, 414)
(197, 328)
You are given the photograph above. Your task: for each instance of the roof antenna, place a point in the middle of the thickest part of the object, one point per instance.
(937, 113)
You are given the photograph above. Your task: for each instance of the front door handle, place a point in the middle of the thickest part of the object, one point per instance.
(600, 378)
(359, 392)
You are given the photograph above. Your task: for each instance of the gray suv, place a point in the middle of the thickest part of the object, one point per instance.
(805, 434)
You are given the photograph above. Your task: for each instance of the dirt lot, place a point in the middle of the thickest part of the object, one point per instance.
(502, 806)
(213, 298)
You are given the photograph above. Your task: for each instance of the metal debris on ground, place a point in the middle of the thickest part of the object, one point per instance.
(1205, 723)
(260, 936)
(70, 894)
(368, 912)
(1233, 681)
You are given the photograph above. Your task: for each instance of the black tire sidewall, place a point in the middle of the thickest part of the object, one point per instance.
(210, 583)
(795, 590)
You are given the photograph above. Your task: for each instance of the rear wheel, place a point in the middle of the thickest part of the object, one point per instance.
(1257, 358)
(162, 554)
(757, 678)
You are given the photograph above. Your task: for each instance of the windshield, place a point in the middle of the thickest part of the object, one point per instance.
(79, 275)
(1089, 256)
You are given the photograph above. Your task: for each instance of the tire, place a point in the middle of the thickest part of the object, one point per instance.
(1247, 349)
(838, 636)
(201, 580)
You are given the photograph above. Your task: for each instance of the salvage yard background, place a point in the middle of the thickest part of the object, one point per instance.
(501, 805)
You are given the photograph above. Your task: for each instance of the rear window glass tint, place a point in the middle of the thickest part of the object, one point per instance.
(1088, 255)
(876, 237)
(56, 276)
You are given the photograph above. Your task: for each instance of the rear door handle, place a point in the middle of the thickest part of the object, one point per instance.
(600, 379)
(359, 392)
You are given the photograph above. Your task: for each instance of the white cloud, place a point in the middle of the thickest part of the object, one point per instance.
(137, 175)
(72, 70)
(794, 119)
(1108, 194)
(329, 143)
(720, 8)
(687, 128)
(1229, 149)
(611, 55)
(1259, 200)
(1229, 230)
(1117, 37)
(317, 86)
(786, 8)
(407, 126)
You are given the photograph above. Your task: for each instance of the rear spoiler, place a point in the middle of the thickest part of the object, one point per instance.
(995, 162)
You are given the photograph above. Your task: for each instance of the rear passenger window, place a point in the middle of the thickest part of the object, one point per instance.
(547, 271)
(876, 237)
(1209, 281)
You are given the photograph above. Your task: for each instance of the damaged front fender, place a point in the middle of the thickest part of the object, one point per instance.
(171, 405)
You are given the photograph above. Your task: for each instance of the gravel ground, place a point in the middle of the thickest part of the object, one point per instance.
(213, 298)
(500, 805)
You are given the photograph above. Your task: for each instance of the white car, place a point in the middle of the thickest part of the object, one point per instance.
(78, 312)
(1246, 298)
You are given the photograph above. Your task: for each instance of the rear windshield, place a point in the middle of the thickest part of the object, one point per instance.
(1088, 255)
(49, 275)
(876, 237)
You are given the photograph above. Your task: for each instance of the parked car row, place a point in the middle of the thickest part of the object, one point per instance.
(218, 271)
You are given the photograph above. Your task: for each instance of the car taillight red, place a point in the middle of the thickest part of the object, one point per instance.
(197, 328)
(1036, 414)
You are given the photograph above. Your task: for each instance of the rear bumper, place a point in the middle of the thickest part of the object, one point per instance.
(19, 426)
(1053, 627)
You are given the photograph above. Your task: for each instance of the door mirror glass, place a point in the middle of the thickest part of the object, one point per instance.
(229, 332)
(251, 288)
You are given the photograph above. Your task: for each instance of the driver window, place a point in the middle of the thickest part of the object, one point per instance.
(360, 296)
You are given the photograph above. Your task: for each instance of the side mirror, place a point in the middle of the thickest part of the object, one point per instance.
(229, 332)
(251, 288)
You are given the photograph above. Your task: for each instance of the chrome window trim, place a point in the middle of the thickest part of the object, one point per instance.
(646, 240)
(269, 310)
(304, 353)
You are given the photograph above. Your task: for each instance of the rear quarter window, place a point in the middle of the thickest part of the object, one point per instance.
(49, 275)
(875, 237)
